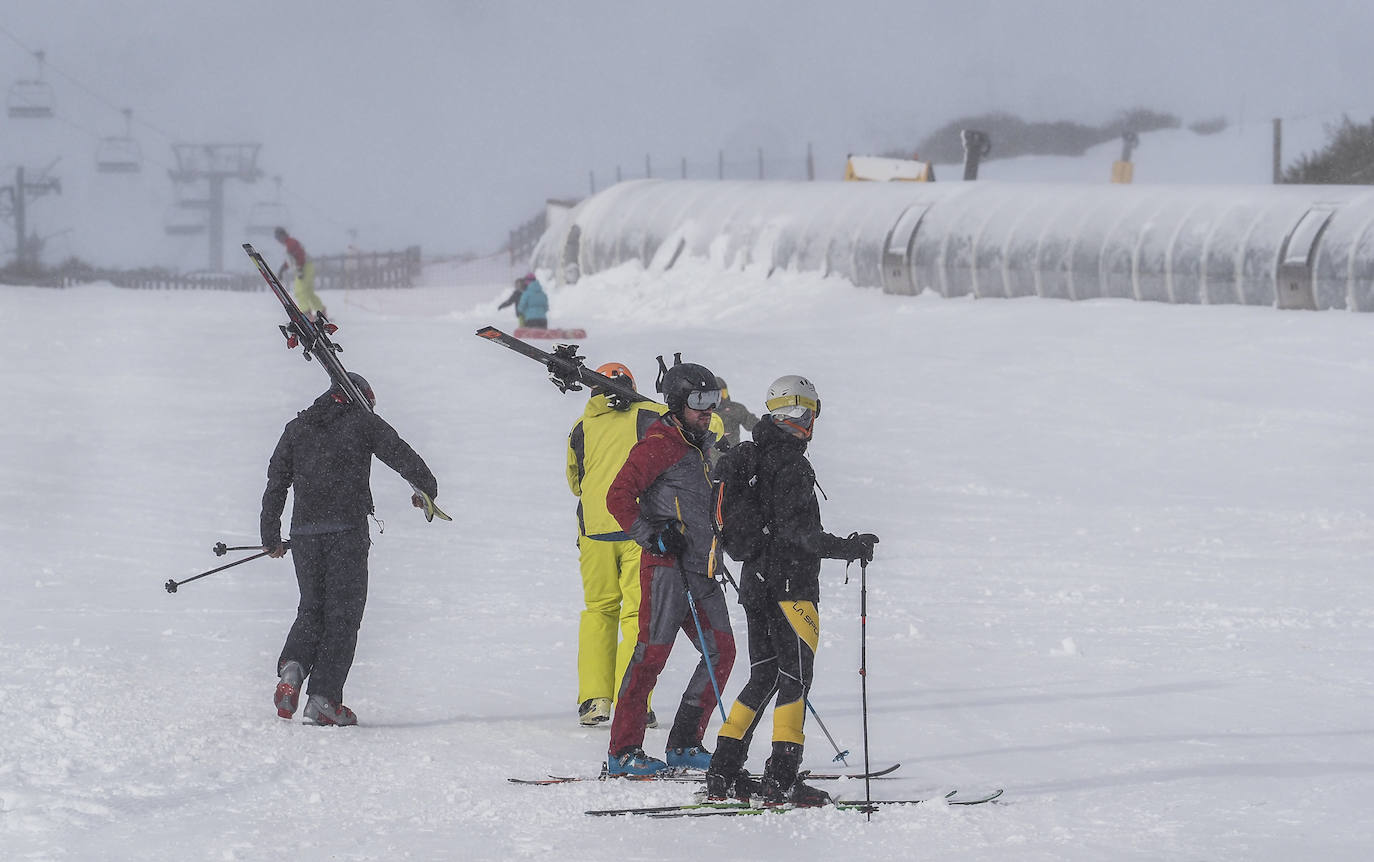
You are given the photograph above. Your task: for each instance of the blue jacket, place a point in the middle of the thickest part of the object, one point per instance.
(533, 304)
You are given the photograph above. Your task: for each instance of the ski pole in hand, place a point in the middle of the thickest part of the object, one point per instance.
(701, 639)
(171, 585)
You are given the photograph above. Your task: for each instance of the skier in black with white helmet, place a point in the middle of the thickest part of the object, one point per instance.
(780, 592)
(325, 454)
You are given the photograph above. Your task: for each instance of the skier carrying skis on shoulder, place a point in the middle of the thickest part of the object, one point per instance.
(780, 591)
(325, 455)
(303, 287)
(661, 498)
(598, 445)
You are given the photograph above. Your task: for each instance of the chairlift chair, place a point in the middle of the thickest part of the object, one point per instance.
(120, 154)
(31, 98)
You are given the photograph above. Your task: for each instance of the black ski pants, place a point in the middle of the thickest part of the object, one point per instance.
(782, 653)
(331, 571)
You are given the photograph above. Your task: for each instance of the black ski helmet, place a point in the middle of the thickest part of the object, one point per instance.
(682, 380)
(361, 382)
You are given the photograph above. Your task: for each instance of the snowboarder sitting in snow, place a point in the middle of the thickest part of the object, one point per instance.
(661, 498)
(780, 590)
(325, 454)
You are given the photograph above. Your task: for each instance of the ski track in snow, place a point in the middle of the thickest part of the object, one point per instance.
(1123, 574)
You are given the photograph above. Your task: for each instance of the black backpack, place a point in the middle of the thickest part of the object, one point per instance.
(738, 507)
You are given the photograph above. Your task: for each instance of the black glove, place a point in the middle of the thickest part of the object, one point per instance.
(670, 541)
(858, 546)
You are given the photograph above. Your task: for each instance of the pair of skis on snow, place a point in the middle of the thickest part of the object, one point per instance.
(708, 808)
(732, 808)
(693, 776)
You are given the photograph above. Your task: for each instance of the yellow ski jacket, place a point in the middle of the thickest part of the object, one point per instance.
(597, 448)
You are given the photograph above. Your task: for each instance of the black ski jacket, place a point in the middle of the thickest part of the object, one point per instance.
(789, 568)
(325, 453)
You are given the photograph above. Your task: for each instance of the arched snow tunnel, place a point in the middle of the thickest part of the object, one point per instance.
(1289, 246)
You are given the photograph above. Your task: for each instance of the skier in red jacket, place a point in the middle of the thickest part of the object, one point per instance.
(661, 497)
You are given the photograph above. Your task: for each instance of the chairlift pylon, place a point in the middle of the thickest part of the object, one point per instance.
(266, 216)
(31, 98)
(120, 154)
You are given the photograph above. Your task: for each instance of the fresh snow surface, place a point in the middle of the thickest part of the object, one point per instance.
(1123, 574)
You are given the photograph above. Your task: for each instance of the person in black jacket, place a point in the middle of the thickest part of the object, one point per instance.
(780, 592)
(325, 454)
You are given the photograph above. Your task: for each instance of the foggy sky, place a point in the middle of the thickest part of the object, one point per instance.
(448, 123)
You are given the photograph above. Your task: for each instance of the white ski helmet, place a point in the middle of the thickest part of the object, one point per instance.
(793, 402)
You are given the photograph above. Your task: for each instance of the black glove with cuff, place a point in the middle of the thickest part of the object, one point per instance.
(670, 541)
(858, 546)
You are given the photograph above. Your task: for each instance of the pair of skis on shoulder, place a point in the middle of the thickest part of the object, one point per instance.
(566, 368)
(313, 337)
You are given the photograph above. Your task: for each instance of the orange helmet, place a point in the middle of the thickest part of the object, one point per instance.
(616, 369)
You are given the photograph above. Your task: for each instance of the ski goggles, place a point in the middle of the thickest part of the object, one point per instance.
(782, 402)
(703, 399)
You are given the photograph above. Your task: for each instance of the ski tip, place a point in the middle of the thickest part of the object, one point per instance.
(489, 332)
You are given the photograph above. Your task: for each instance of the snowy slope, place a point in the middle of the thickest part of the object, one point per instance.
(1123, 574)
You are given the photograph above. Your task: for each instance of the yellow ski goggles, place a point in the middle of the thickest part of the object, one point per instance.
(776, 405)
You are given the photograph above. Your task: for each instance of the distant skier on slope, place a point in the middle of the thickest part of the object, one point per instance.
(303, 287)
(661, 498)
(780, 590)
(325, 455)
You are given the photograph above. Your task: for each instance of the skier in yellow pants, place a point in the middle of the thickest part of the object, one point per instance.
(303, 288)
(609, 559)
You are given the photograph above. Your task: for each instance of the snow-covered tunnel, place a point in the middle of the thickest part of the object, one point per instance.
(1283, 245)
